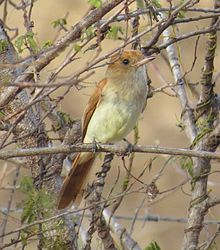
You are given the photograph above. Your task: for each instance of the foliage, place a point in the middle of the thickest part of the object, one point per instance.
(96, 3)
(36, 201)
(77, 47)
(114, 31)
(125, 183)
(186, 163)
(156, 3)
(3, 45)
(182, 13)
(47, 44)
(88, 33)
(26, 41)
(40, 204)
(153, 246)
(60, 22)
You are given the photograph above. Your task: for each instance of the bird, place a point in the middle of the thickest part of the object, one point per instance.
(110, 115)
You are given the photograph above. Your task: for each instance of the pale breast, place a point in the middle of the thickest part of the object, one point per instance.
(118, 112)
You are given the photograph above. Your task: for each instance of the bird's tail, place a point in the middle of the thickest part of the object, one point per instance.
(72, 186)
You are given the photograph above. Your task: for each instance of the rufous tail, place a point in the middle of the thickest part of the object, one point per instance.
(72, 186)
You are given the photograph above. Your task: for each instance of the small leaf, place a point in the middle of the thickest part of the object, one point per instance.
(31, 42)
(59, 22)
(186, 163)
(153, 246)
(156, 3)
(95, 3)
(114, 31)
(47, 44)
(19, 42)
(77, 47)
(125, 183)
(26, 184)
(2, 114)
(140, 4)
(87, 33)
(3, 46)
(182, 13)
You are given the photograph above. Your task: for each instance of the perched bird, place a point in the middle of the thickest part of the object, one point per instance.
(111, 113)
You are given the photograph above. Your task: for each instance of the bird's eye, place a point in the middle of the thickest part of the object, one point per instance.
(125, 61)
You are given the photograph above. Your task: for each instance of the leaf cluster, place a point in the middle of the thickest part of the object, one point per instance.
(40, 204)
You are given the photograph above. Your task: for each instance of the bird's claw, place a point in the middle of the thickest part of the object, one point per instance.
(129, 148)
(94, 146)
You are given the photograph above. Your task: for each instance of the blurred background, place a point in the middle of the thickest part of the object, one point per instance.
(158, 125)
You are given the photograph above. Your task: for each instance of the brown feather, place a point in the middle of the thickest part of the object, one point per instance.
(72, 186)
(73, 183)
(92, 104)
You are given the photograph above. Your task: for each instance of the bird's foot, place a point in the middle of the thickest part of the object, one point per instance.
(129, 148)
(94, 146)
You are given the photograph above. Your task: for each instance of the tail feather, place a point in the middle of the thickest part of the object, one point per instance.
(72, 186)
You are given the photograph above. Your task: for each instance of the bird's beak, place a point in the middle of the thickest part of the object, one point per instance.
(144, 61)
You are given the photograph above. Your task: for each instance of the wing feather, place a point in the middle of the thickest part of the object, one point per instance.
(92, 104)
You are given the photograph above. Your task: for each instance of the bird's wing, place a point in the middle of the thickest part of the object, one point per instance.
(92, 104)
(72, 186)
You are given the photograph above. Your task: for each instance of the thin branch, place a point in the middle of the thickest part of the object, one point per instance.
(97, 222)
(187, 114)
(52, 53)
(121, 232)
(113, 148)
(208, 114)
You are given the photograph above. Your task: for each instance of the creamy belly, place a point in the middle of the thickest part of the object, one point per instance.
(114, 119)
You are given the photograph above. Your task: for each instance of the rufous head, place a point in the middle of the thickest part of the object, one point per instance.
(126, 62)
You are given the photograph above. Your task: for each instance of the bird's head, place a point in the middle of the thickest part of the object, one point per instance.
(126, 63)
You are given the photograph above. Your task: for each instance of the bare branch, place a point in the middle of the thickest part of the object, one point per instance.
(121, 149)
(121, 232)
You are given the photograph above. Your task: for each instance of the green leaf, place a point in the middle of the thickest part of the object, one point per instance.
(125, 183)
(77, 47)
(47, 44)
(153, 246)
(36, 201)
(186, 163)
(95, 3)
(59, 22)
(3, 45)
(31, 42)
(114, 32)
(181, 13)
(26, 40)
(19, 43)
(87, 33)
(26, 184)
(140, 4)
(2, 114)
(156, 3)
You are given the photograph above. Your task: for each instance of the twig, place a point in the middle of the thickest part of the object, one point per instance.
(50, 54)
(12, 192)
(97, 222)
(209, 243)
(121, 232)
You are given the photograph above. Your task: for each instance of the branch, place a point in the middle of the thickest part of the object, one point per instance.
(208, 114)
(46, 57)
(97, 221)
(113, 148)
(187, 114)
(126, 240)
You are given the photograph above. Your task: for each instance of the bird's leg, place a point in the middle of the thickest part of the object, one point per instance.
(129, 149)
(94, 145)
